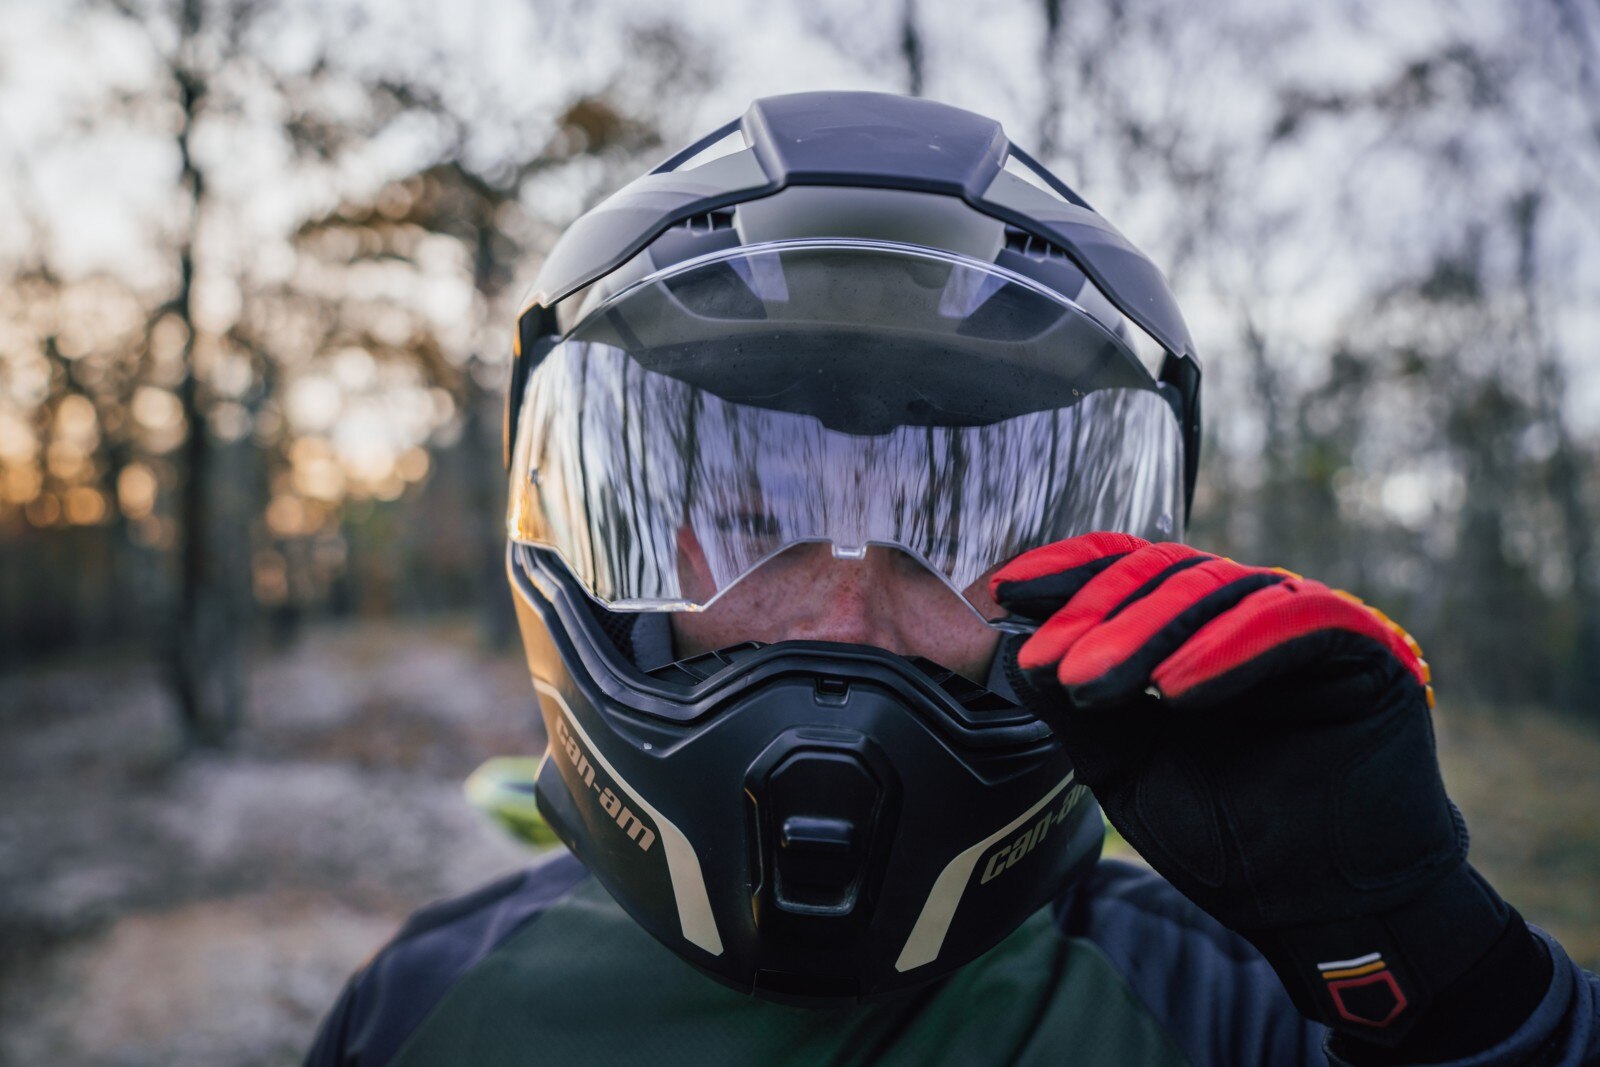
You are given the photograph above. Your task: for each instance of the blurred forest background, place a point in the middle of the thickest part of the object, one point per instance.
(261, 260)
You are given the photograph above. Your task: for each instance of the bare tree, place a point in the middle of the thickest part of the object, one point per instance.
(211, 68)
(483, 205)
(911, 46)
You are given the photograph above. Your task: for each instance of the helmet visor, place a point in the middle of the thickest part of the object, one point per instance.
(714, 414)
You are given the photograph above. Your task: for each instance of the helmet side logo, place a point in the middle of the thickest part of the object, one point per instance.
(625, 818)
(1009, 855)
(927, 935)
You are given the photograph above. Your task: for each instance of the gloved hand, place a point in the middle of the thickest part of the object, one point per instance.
(1265, 743)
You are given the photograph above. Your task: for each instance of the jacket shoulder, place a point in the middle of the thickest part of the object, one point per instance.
(1208, 987)
(385, 1001)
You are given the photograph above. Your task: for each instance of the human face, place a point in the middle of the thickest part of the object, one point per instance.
(886, 599)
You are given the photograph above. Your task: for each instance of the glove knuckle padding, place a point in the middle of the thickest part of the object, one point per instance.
(1039, 582)
(1041, 597)
(1103, 595)
(1121, 653)
(1292, 626)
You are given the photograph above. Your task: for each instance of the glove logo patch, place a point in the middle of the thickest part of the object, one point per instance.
(1364, 990)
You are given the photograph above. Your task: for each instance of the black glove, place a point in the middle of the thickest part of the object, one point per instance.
(1265, 743)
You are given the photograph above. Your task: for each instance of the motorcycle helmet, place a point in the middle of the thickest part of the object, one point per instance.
(854, 319)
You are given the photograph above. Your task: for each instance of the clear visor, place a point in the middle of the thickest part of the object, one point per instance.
(709, 417)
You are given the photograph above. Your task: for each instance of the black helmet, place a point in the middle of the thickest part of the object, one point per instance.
(852, 318)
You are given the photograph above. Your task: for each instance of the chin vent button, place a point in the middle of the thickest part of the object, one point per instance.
(807, 832)
(823, 805)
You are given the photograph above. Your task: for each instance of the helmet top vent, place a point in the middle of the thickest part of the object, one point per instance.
(710, 222)
(1027, 244)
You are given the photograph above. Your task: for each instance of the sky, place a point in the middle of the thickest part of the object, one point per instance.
(101, 196)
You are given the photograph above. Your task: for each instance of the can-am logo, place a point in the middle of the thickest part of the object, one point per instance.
(1010, 854)
(610, 803)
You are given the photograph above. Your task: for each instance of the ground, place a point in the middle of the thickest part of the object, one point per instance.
(206, 909)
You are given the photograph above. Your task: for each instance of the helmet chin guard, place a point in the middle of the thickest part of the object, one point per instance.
(810, 822)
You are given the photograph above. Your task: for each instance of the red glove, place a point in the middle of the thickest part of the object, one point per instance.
(1265, 742)
(1145, 621)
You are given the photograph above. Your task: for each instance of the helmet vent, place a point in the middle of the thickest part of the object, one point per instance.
(710, 222)
(697, 669)
(982, 704)
(1027, 244)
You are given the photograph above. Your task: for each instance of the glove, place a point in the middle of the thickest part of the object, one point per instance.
(1265, 743)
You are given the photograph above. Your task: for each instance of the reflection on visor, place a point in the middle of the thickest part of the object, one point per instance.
(616, 463)
(853, 393)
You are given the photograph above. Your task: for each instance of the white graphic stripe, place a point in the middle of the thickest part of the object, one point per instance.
(683, 865)
(1335, 965)
(927, 936)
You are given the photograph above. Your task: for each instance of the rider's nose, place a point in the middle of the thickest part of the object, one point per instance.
(848, 600)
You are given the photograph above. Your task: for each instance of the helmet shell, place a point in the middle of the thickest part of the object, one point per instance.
(813, 822)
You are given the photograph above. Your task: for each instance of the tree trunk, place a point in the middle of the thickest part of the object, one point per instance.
(204, 655)
(911, 47)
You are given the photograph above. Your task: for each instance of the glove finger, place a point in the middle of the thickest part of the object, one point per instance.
(1124, 581)
(1037, 583)
(1278, 631)
(1113, 660)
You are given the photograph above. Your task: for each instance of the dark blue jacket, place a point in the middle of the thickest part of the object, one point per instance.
(543, 967)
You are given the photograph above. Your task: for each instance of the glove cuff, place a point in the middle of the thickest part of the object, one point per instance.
(1483, 1008)
(1377, 977)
